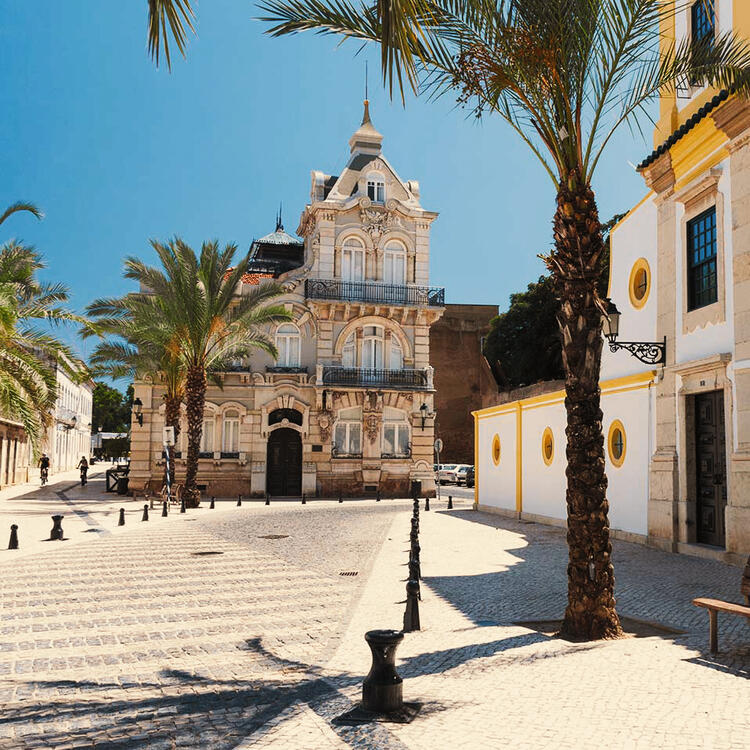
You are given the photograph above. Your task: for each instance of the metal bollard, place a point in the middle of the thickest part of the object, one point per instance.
(382, 689)
(411, 615)
(13, 543)
(268, 498)
(450, 502)
(145, 513)
(57, 529)
(121, 522)
(239, 500)
(377, 496)
(304, 499)
(183, 509)
(213, 503)
(427, 503)
(341, 499)
(164, 512)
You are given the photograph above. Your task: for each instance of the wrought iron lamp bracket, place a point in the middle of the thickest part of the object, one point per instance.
(648, 352)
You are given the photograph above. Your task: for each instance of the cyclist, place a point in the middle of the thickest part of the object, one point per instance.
(44, 468)
(83, 465)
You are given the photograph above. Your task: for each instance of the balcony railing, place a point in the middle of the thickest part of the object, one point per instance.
(372, 291)
(364, 376)
(285, 368)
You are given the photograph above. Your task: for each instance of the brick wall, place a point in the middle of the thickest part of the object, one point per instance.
(461, 376)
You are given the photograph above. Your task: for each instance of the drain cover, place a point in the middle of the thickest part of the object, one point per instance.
(349, 573)
(274, 536)
(207, 552)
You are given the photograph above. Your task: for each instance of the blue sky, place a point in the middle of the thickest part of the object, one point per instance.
(116, 152)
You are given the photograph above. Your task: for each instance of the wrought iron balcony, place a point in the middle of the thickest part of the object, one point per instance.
(284, 368)
(368, 377)
(374, 292)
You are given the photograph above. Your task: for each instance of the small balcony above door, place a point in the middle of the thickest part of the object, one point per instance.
(374, 293)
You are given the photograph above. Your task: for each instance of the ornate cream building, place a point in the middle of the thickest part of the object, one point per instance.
(348, 406)
(678, 431)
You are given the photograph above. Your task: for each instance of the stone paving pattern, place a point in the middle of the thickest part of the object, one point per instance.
(148, 638)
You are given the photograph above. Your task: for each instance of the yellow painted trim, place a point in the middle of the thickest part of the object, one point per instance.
(717, 158)
(696, 147)
(640, 265)
(614, 427)
(626, 382)
(496, 449)
(548, 438)
(519, 458)
(476, 460)
(649, 194)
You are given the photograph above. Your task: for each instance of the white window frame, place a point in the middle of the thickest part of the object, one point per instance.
(288, 344)
(353, 260)
(349, 352)
(208, 419)
(394, 254)
(397, 421)
(351, 427)
(230, 431)
(376, 187)
(396, 354)
(375, 343)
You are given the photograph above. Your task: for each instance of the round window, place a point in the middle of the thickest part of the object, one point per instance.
(496, 450)
(617, 443)
(640, 283)
(548, 446)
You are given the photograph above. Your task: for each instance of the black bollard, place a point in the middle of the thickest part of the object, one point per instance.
(145, 513)
(377, 496)
(304, 499)
(239, 500)
(341, 499)
(121, 522)
(427, 503)
(13, 543)
(411, 615)
(268, 498)
(450, 502)
(183, 509)
(213, 503)
(382, 689)
(164, 512)
(57, 529)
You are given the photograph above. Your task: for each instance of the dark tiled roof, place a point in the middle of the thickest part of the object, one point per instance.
(707, 108)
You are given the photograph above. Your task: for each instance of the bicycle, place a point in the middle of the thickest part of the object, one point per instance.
(44, 474)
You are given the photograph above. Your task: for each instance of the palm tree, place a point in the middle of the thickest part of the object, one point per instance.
(28, 385)
(565, 75)
(134, 350)
(168, 18)
(195, 300)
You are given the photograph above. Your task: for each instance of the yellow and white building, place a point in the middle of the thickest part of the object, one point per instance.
(677, 437)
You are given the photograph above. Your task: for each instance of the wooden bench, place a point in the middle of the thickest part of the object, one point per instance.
(714, 606)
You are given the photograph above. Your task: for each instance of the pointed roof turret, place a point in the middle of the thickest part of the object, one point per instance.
(366, 140)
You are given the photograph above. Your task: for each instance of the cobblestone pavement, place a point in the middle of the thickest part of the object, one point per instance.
(234, 628)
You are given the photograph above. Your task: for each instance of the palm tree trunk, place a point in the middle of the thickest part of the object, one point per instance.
(172, 419)
(575, 264)
(195, 399)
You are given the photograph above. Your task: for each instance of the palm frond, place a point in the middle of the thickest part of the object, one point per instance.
(168, 18)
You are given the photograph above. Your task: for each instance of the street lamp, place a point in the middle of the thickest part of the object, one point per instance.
(138, 411)
(425, 413)
(648, 352)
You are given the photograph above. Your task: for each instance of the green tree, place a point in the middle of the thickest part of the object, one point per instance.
(111, 411)
(28, 350)
(194, 300)
(565, 75)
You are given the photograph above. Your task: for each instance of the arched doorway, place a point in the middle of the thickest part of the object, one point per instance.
(284, 462)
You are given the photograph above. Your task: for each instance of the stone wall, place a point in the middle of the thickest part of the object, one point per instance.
(461, 376)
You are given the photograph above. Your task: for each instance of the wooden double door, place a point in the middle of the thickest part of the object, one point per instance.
(284, 463)
(711, 468)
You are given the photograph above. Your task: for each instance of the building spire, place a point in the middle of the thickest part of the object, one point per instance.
(279, 223)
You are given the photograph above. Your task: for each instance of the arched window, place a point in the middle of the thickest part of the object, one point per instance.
(394, 264)
(207, 436)
(347, 434)
(372, 348)
(395, 432)
(396, 354)
(353, 260)
(288, 345)
(376, 187)
(230, 439)
(349, 352)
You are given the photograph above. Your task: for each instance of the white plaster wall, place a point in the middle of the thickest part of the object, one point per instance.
(628, 484)
(713, 338)
(497, 484)
(634, 238)
(544, 486)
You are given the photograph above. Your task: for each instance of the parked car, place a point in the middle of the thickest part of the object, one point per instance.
(461, 473)
(469, 479)
(447, 474)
